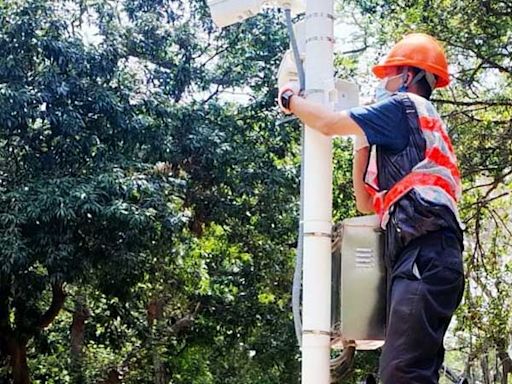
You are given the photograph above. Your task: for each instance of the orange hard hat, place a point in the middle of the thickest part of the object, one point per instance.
(417, 50)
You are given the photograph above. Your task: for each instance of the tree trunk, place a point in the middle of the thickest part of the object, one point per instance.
(155, 313)
(17, 350)
(506, 366)
(113, 377)
(486, 375)
(159, 369)
(17, 345)
(80, 315)
(5, 327)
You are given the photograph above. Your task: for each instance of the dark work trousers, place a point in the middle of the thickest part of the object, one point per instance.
(426, 286)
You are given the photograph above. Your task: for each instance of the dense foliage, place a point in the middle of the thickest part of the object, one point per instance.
(149, 200)
(147, 225)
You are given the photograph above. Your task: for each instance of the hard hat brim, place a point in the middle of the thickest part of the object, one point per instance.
(382, 70)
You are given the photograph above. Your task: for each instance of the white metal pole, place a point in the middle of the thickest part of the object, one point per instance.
(317, 199)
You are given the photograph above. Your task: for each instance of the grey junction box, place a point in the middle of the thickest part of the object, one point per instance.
(359, 283)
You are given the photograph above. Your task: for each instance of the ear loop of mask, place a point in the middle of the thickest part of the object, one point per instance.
(430, 80)
(403, 87)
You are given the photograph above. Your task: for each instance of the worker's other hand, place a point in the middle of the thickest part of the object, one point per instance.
(360, 142)
(287, 70)
(283, 92)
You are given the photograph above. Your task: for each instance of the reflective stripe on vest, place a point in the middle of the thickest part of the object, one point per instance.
(436, 178)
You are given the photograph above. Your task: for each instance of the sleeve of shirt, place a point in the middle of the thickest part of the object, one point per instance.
(384, 123)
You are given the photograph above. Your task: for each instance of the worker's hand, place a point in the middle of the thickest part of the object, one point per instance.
(288, 88)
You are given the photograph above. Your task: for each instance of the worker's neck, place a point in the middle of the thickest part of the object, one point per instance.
(416, 91)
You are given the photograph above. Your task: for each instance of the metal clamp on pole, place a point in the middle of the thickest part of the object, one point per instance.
(320, 15)
(317, 228)
(316, 332)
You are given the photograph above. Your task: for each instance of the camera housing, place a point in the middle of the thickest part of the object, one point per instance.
(227, 12)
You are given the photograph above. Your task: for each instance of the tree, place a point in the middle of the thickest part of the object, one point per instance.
(79, 200)
(129, 184)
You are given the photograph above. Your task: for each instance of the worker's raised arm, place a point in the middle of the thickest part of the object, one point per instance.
(364, 202)
(322, 119)
(317, 116)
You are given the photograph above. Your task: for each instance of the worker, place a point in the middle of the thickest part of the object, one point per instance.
(405, 170)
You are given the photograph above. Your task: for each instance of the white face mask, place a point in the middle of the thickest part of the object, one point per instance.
(381, 92)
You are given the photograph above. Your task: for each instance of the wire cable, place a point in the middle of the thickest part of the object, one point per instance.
(297, 275)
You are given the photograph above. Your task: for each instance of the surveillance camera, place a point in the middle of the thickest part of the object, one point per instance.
(227, 12)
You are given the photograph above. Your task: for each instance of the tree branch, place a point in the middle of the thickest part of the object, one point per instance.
(356, 50)
(485, 200)
(497, 217)
(165, 64)
(482, 57)
(497, 180)
(58, 299)
(185, 322)
(506, 362)
(497, 122)
(503, 103)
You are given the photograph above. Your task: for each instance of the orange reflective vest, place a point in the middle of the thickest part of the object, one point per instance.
(436, 178)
